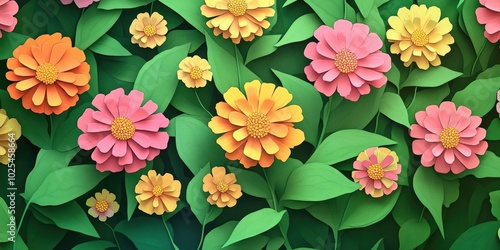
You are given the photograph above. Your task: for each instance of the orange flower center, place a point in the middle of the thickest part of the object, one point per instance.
(258, 125)
(237, 7)
(222, 187)
(101, 206)
(149, 30)
(419, 38)
(157, 190)
(122, 128)
(375, 172)
(47, 73)
(196, 73)
(346, 61)
(449, 137)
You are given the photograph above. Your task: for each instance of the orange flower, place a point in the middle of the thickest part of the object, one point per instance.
(258, 128)
(48, 74)
(157, 193)
(238, 19)
(194, 72)
(221, 187)
(148, 31)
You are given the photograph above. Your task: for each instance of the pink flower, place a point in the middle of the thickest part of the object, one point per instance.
(8, 8)
(123, 133)
(346, 59)
(80, 3)
(491, 17)
(448, 138)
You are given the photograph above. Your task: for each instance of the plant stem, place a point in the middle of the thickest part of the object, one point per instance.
(199, 100)
(237, 66)
(273, 195)
(421, 214)
(207, 214)
(345, 9)
(168, 232)
(413, 99)
(376, 122)
(21, 223)
(477, 58)
(114, 235)
(326, 116)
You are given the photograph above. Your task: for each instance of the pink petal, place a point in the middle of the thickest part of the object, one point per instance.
(432, 138)
(325, 50)
(469, 162)
(310, 51)
(158, 140)
(110, 165)
(310, 73)
(466, 151)
(377, 184)
(85, 119)
(441, 166)
(428, 158)
(331, 74)
(107, 143)
(387, 161)
(120, 148)
(327, 88)
(371, 44)
(140, 152)
(437, 150)
(141, 139)
(361, 174)
(135, 166)
(417, 131)
(343, 85)
(322, 65)
(126, 159)
(89, 141)
(355, 80)
(368, 74)
(420, 146)
(99, 157)
(449, 156)
(153, 153)
(102, 117)
(433, 125)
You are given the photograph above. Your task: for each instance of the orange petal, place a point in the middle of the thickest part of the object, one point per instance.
(253, 149)
(266, 160)
(244, 106)
(238, 118)
(27, 84)
(57, 52)
(228, 143)
(240, 134)
(28, 61)
(279, 130)
(252, 90)
(295, 137)
(269, 145)
(231, 95)
(39, 94)
(279, 115)
(282, 97)
(220, 125)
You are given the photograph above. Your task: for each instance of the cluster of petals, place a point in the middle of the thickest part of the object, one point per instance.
(222, 188)
(103, 205)
(148, 31)
(490, 16)
(10, 131)
(194, 72)
(157, 193)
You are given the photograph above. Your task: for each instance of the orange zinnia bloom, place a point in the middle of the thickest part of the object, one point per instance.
(194, 72)
(147, 31)
(157, 193)
(258, 127)
(48, 74)
(222, 188)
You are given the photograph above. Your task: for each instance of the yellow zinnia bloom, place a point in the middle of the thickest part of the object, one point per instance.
(157, 193)
(103, 205)
(238, 19)
(419, 36)
(10, 131)
(194, 72)
(148, 31)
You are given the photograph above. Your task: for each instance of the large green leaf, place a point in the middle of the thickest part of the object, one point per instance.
(479, 95)
(197, 198)
(483, 236)
(93, 24)
(493, 131)
(488, 167)
(429, 189)
(9, 43)
(261, 47)
(328, 11)
(215, 239)
(495, 203)
(413, 233)
(67, 132)
(393, 107)
(43, 236)
(365, 6)
(301, 29)
(94, 245)
(146, 233)
(251, 183)
(108, 46)
(433, 77)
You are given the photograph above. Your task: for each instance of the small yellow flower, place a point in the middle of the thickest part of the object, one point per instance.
(10, 131)
(157, 193)
(194, 72)
(148, 31)
(222, 188)
(103, 205)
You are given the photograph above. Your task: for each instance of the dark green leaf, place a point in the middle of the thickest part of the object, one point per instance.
(94, 245)
(261, 47)
(251, 183)
(180, 37)
(108, 46)
(493, 131)
(93, 24)
(413, 233)
(9, 43)
(482, 236)
(146, 233)
(122, 4)
(393, 107)
(430, 191)
(301, 29)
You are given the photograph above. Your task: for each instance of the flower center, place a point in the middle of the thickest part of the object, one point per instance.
(196, 73)
(101, 206)
(346, 61)
(419, 38)
(375, 172)
(157, 190)
(150, 30)
(237, 7)
(122, 128)
(222, 187)
(258, 125)
(46, 73)
(449, 137)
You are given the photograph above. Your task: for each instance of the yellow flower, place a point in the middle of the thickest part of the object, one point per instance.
(419, 36)
(194, 72)
(10, 131)
(238, 19)
(222, 188)
(148, 31)
(157, 193)
(103, 205)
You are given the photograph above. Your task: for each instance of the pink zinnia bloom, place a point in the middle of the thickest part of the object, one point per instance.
(491, 17)
(80, 3)
(346, 59)
(448, 138)
(377, 171)
(123, 133)
(8, 8)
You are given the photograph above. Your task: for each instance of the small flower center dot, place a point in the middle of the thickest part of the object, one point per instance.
(346, 61)
(222, 187)
(46, 73)
(196, 73)
(101, 206)
(157, 190)
(419, 38)
(122, 128)
(375, 172)
(258, 125)
(449, 137)
(149, 30)
(237, 7)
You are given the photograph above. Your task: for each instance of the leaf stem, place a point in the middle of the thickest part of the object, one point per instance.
(326, 116)
(421, 214)
(168, 232)
(151, 10)
(376, 122)
(21, 223)
(477, 58)
(238, 70)
(202, 106)
(114, 235)
(273, 195)
(413, 99)
(207, 214)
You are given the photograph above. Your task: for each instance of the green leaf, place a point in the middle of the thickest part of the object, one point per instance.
(345, 144)
(379, 245)
(488, 167)
(131, 180)
(365, 6)
(394, 108)
(9, 42)
(399, 134)
(94, 245)
(479, 95)
(108, 46)
(482, 236)
(197, 198)
(261, 47)
(93, 83)
(413, 233)
(328, 11)
(393, 75)
(216, 238)
(122, 4)
(301, 29)
(251, 183)
(190, 12)
(305, 182)
(373, 20)
(180, 37)
(425, 98)
(280, 172)
(67, 132)
(493, 131)
(451, 191)
(495, 203)
(185, 99)
(93, 24)
(145, 233)
(5, 216)
(429, 189)
(288, 2)
(43, 236)
(254, 224)
(433, 77)
(159, 84)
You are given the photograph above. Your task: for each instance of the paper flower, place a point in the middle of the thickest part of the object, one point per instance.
(10, 131)
(80, 3)
(346, 59)
(147, 31)
(491, 17)
(377, 171)
(194, 72)
(222, 188)
(238, 19)
(48, 74)
(448, 138)
(123, 133)
(257, 127)
(103, 205)
(157, 193)
(8, 8)
(419, 36)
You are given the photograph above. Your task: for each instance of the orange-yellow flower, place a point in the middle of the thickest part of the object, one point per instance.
(103, 205)
(238, 19)
(257, 127)
(48, 74)
(10, 131)
(157, 193)
(148, 31)
(194, 72)
(222, 188)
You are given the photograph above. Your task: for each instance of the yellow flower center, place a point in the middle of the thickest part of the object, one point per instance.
(157, 190)
(375, 172)
(150, 30)
(346, 61)
(222, 187)
(258, 125)
(196, 73)
(449, 137)
(122, 128)
(419, 38)
(46, 73)
(101, 206)
(237, 7)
